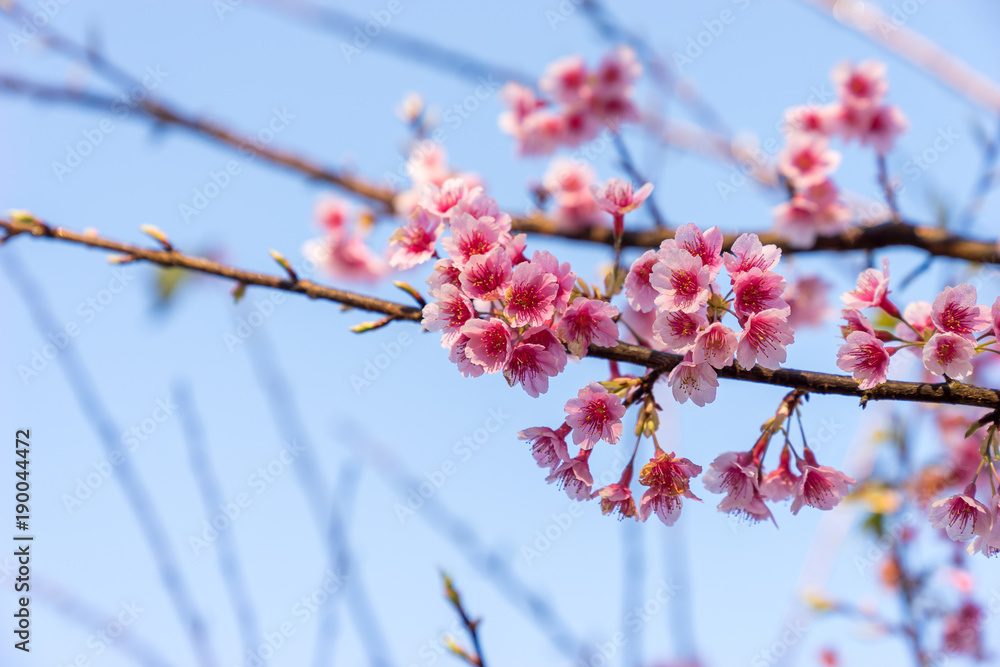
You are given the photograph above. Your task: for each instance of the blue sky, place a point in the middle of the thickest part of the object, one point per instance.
(250, 67)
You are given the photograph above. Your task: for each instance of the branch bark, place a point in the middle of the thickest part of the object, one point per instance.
(952, 393)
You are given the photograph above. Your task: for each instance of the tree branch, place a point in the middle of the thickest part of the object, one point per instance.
(952, 393)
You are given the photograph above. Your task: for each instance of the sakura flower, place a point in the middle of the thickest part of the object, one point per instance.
(332, 213)
(763, 339)
(563, 273)
(988, 543)
(811, 119)
(580, 123)
(487, 277)
(440, 201)
(543, 336)
(756, 510)
(949, 354)
(617, 197)
(489, 343)
(595, 414)
(667, 507)
(962, 516)
(861, 85)
(669, 480)
(955, 310)
(918, 315)
(807, 160)
(574, 476)
(444, 273)
(458, 355)
(797, 221)
(735, 474)
(569, 182)
(756, 290)
(695, 381)
(682, 281)
(855, 321)
(780, 483)
(866, 357)
(715, 345)
(963, 632)
(617, 72)
(586, 322)
(748, 253)
(872, 291)
(819, 486)
(566, 80)
(807, 299)
(541, 133)
(548, 447)
(478, 204)
(705, 246)
(414, 242)
(472, 236)
(884, 125)
(346, 256)
(530, 299)
(638, 291)
(448, 313)
(531, 366)
(677, 330)
(522, 102)
(617, 498)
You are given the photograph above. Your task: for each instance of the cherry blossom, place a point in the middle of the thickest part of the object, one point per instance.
(458, 355)
(563, 273)
(639, 292)
(548, 447)
(763, 339)
(574, 476)
(678, 331)
(883, 126)
(988, 543)
(487, 277)
(865, 357)
(949, 354)
(705, 246)
(696, 381)
(543, 336)
(807, 159)
(566, 80)
(807, 301)
(715, 345)
(414, 242)
(756, 290)
(471, 236)
(531, 366)
(819, 486)
(681, 280)
(734, 474)
(617, 197)
(955, 310)
(346, 257)
(748, 253)
(872, 291)
(530, 298)
(780, 483)
(861, 85)
(962, 516)
(669, 480)
(448, 314)
(595, 414)
(569, 183)
(489, 343)
(586, 322)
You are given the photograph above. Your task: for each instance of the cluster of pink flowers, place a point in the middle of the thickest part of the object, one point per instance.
(570, 184)
(343, 251)
(677, 282)
(949, 332)
(807, 161)
(579, 102)
(427, 165)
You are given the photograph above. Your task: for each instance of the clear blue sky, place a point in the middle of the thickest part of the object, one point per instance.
(741, 580)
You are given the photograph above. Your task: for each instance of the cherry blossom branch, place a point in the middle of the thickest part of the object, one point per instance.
(952, 393)
(471, 626)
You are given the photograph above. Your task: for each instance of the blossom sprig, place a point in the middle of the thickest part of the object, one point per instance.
(575, 103)
(807, 162)
(947, 333)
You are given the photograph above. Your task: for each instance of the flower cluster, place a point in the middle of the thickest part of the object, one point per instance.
(948, 332)
(677, 282)
(807, 161)
(579, 102)
(569, 183)
(342, 251)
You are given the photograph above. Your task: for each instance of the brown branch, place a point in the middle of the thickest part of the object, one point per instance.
(952, 393)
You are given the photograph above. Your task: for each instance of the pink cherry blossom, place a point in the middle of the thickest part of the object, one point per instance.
(735, 474)
(681, 280)
(580, 124)
(763, 339)
(638, 291)
(530, 298)
(444, 273)
(458, 355)
(780, 483)
(574, 476)
(819, 486)
(695, 381)
(811, 119)
(677, 331)
(595, 414)
(543, 336)
(884, 125)
(563, 273)
(541, 133)
(667, 507)
(345, 256)
(918, 314)
(988, 543)
(962, 633)
(757, 290)
(569, 183)
(472, 236)
(332, 213)
(586, 322)
(413, 243)
(955, 310)
(748, 253)
(566, 80)
(489, 343)
(617, 197)
(797, 220)
(617, 72)
(715, 345)
(487, 277)
(807, 299)
(440, 201)
(855, 321)
(949, 354)
(617, 498)
(522, 102)
(861, 85)
(872, 291)
(669, 481)
(705, 246)
(995, 312)
(866, 357)
(807, 160)
(548, 447)
(452, 310)
(962, 516)
(531, 366)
